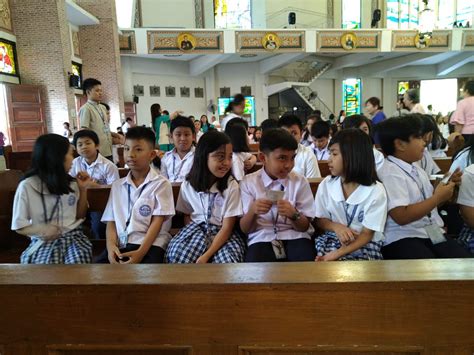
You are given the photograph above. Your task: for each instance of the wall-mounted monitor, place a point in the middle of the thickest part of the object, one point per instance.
(8, 58)
(249, 111)
(75, 79)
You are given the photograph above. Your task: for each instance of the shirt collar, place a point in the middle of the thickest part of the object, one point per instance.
(96, 161)
(268, 181)
(92, 102)
(319, 150)
(174, 153)
(407, 167)
(336, 192)
(36, 185)
(151, 176)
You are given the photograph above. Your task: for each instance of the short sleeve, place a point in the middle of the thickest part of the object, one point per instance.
(20, 215)
(112, 174)
(247, 196)
(74, 168)
(321, 201)
(164, 167)
(396, 196)
(183, 205)
(108, 215)
(458, 115)
(304, 199)
(311, 166)
(233, 205)
(375, 212)
(85, 117)
(466, 191)
(164, 203)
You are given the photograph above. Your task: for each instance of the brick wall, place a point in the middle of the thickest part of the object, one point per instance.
(101, 55)
(44, 54)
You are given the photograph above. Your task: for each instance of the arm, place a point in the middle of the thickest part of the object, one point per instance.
(363, 238)
(187, 219)
(260, 206)
(345, 234)
(312, 167)
(458, 127)
(82, 204)
(112, 243)
(467, 214)
(219, 240)
(286, 209)
(250, 162)
(85, 117)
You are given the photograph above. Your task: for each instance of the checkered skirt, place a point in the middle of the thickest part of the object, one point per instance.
(329, 242)
(71, 248)
(192, 241)
(466, 238)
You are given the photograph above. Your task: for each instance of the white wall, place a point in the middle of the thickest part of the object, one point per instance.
(168, 13)
(325, 90)
(309, 13)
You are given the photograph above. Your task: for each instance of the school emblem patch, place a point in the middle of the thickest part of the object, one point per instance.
(71, 200)
(360, 217)
(145, 210)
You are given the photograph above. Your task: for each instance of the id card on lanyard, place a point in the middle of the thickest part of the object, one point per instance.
(123, 236)
(277, 244)
(211, 197)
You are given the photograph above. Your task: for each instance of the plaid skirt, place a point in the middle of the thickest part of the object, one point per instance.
(71, 248)
(466, 238)
(192, 241)
(329, 242)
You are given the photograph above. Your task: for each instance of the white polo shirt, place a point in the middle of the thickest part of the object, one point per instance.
(238, 160)
(28, 207)
(404, 184)
(466, 191)
(154, 197)
(428, 164)
(366, 206)
(379, 159)
(296, 190)
(102, 170)
(223, 205)
(306, 163)
(227, 118)
(462, 160)
(321, 154)
(174, 168)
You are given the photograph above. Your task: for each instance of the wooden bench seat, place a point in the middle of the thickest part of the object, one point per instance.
(443, 163)
(373, 307)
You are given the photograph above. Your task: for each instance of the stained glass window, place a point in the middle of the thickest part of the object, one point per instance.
(351, 90)
(351, 14)
(232, 14)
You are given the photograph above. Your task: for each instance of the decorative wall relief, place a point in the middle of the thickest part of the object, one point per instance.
(177, 42)
(170, 91)
(403, 40)
(198, 92)
(184, 92)
(5, 16)
(138, 90)
(127, 42)
(155, 91)
(76, 50)
(278, 41)
(342, 41)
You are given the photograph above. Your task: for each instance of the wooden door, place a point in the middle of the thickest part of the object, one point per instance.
(26, 120)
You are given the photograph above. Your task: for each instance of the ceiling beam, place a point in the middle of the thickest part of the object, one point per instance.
(202, 64)
(446, 67)
(395, 63)
(278, 61)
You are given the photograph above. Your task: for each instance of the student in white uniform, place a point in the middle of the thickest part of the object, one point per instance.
(414, 227)
(49, 206)
(234, 110)
(466, 202)
(428, 127)
(140, 207)
(305, 161)
(197, 129)
(210, 201)
(242, 159)
(320, 136)
(176, 164)
(351, 205)
(278, 204)
(463, 158)
(365, 125)
(101, 170)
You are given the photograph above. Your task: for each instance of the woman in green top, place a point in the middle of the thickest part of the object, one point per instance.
(161, 125)
(205, 125)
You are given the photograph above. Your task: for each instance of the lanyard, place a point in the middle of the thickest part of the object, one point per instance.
(350, 218)
(275, 219)
(87, 168)
(316, 153)
(45, 211)
(130, 206)
(176, 175)
(211, 197)
(101, 114)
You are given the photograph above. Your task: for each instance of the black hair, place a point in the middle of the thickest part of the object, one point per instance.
(320, 129)
(89, 83)
(268, 124)
(403, 128)
(239, 99)
(182, 121)
(469, 87)
(357, 156)
(333, 128)
(200, 177)
(355, 121)
(428, 124)
(155, 111)
(67, 124)
(288, 120)
(413, 95)
(85, 133)
(275, 138)
(47, 163)
(166, 112)
(144, 133)
(374, 101)
(128, 119)
(238, 138)
(236, 121)
(255, 139)
(107, 107)
(468, 146)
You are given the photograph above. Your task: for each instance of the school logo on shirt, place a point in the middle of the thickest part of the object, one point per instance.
(145, 210)
(360, 217)
(219, 201)
(71, 200)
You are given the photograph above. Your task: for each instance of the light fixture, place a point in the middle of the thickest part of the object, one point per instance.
(426, 26)
(295, 108)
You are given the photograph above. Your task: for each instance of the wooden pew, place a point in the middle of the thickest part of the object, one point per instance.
(17, 160)
(9, 180)
(324, 168)
(254, 147)
(443, 163)
(368, 307)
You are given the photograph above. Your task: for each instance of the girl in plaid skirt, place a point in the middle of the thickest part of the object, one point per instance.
(210, 201)
(351, 205)
(49, 206)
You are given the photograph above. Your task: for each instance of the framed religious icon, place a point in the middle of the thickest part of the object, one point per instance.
(186, 42)
(170, 91)
(138, 90)
(198, 92)
(349, 41)
(422, 40)
(155, 91)
(184, 91)
(224, 92)
(271, 42)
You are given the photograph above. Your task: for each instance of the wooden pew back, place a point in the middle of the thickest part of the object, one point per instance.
(443, 163)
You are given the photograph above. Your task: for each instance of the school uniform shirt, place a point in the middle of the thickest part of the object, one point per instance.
(199, 135)
(321, 154)
(379, 159)
(238, 160)
(428, 164)
(466, 190)
(306, 163)
(102, 170)
(405, 185)
(174, 168)
(368, 204)
(28, 206)
(227, 118)
(154, 197)
(223, 205)
(462, 160)
(92, 115)
(296, 190)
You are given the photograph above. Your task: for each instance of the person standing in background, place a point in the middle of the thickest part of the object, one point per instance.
(411, 100)
(463, 117)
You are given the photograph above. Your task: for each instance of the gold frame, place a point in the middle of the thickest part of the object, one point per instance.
(190, 38)
(349, 36)
(274, 39)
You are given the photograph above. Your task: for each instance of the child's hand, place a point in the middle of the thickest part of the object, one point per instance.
(261, 206)
(332, 256)
(134, 257)
(159, 153)
(345, 234)
(203, 259)
(444, 192)
(114, 254)
(83, 180)
(49, 232)
(456, 177)
(286, 209)
(248, 164)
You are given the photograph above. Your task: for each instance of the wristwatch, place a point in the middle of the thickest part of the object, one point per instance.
(296, 216)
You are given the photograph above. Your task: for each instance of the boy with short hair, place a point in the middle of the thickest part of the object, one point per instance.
(101, 170)
(140, 206)
(320, 134)
(414, 227)
(176, 164)
(278, 204)
(305, 161)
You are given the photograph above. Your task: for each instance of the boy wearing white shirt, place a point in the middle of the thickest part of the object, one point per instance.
(320, 134)
(140, 206)
(278, 204)
(176, 164)
(305, 161)
(414, 227)
(466, 204)
(101, 171)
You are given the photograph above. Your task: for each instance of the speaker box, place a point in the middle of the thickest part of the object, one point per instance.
(376, 16)
(292, 18)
